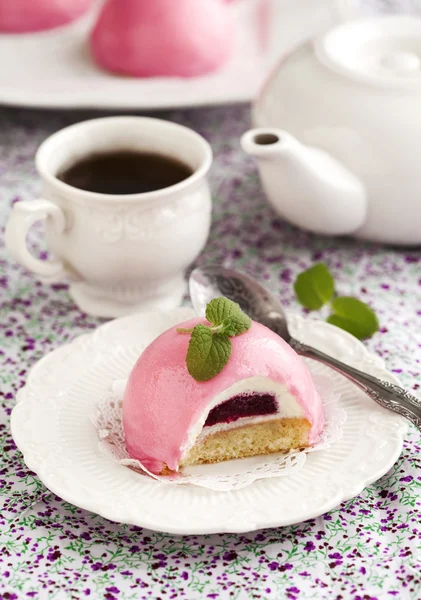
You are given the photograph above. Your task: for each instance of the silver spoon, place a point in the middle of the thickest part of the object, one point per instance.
(211, 282)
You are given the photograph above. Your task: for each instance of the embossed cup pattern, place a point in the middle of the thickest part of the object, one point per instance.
(127, 246)
(119, 253)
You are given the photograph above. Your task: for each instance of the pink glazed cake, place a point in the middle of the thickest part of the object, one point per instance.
(22, 16)
(169, 38)
(263, 401)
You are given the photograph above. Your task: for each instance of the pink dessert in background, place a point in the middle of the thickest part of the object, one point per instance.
(23, 16)
(165, 409)
(146, 38)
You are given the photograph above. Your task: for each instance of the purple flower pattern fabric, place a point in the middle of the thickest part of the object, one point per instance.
(368, 548)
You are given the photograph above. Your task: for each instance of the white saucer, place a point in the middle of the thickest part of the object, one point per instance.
(51, 426)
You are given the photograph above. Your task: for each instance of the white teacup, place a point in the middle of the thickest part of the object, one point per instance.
(119, 253)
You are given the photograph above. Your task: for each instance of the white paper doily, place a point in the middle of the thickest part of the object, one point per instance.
(229, 475)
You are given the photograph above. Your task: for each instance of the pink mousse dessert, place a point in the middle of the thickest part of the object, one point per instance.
(147, 38)
(23, 16)
(263, 401)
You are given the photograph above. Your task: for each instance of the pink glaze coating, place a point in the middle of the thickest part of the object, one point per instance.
(23, 16)
(162, 401)
(147, 38)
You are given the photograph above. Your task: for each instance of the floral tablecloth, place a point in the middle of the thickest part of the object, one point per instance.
(370, 547)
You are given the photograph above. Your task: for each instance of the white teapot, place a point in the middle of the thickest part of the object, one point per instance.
(351, 104)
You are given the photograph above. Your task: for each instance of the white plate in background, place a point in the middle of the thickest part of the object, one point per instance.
(53, 69)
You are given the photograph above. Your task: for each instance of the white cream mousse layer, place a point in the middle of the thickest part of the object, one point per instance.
(287, 407)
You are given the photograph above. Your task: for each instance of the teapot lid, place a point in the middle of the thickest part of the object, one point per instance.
(382, 50)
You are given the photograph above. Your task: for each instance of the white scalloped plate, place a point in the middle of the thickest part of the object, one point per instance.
(51, 426)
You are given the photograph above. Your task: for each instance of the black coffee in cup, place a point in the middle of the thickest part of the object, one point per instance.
(125, 172)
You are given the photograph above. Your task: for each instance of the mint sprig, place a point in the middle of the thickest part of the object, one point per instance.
(227, 316)
(315, 288)
(210, 346)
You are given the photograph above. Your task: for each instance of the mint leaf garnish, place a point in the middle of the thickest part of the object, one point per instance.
(314, 287)
(219, 309)
(208, 353)
(354, 316)
(227, 317)
(210, 346)
(236, 325)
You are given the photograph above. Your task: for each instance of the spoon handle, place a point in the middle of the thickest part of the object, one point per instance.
(386, 394)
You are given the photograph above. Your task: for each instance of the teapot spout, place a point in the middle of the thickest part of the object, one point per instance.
(305, 185)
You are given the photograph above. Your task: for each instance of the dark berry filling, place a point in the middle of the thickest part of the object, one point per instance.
(243, 405)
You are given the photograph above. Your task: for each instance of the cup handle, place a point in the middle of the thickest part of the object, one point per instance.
(24, 215)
